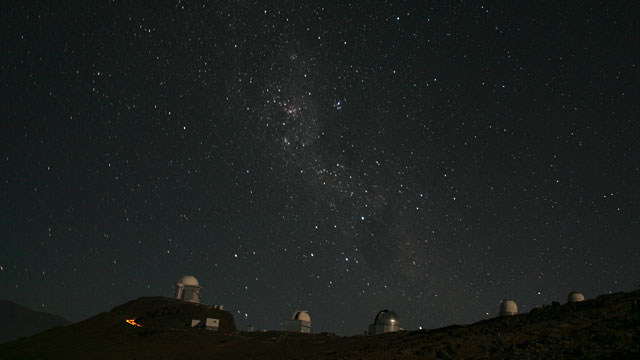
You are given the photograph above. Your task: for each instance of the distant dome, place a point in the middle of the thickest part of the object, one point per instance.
(302, 315)
(188, 289)
(508, 307)
(575, 296)
(386, 317)
(188, 281)
(300, 322)
(385, 321)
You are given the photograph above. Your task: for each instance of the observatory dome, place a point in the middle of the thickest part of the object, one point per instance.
(385, 321)
(300, 322)
(386, 317)
(188, 281)
(188, 289)
(302, 315)
(508, 307)
(575, 296)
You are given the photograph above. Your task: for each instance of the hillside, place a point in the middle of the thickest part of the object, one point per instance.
(162, 313)
(18, 321)
(601, 328)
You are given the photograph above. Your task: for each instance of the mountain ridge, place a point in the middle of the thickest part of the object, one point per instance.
(18, 321)
(607, 326)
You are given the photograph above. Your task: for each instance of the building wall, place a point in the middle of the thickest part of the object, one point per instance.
(381, 329)
(297, 326)
(191, 293)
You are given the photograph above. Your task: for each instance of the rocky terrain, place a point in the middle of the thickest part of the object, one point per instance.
(18, 321)
(607, 327)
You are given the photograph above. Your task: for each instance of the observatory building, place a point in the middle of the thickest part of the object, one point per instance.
(300, 322)
(386, 321)
(574, 297)
(207, 324)
(188, 289)
(508, 307)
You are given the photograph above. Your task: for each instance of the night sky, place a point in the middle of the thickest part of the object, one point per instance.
(432, 158)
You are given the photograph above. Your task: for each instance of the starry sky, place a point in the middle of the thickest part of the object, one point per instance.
(429, 157)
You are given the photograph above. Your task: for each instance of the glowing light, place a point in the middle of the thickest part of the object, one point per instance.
(133, 322)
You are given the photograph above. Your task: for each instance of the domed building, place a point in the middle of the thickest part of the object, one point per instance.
(385, 321)
(300, 322)
(188, 289)
(508, 307)
(574, 297)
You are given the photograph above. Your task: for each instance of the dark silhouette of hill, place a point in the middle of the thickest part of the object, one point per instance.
(18, 321)
(162, 313)
(607, 327)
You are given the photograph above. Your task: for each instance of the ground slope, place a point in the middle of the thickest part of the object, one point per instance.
(18, 321)
(167, 313)
(602, 328)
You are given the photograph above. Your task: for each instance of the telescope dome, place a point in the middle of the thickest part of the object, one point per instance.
(575, 296)
(508, 307)
(302, 315)
(386, 317)
(188, 281)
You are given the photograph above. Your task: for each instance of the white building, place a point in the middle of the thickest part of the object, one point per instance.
(508, 307)
(188, 289)
(207, 324)
(575, 296)
(385, 321)
(211, 324)
(300, 322)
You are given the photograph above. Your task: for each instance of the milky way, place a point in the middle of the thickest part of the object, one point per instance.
(432, 159)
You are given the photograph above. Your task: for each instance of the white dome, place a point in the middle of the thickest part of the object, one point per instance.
(508, 307)
(575, 297)
(302, 315)
(188, 281)
(386, 317)
(385, 321)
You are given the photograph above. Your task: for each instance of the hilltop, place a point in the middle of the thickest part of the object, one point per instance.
(18, 321)
(162, 313)
(605, 327)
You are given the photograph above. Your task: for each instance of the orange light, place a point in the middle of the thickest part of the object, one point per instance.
(133, 322)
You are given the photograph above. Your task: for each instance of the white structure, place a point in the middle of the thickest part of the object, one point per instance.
(212, 324)
(188, 289)
(508, 307)
(208, 324)
(575, 296)
(385, 321)
(300, 322)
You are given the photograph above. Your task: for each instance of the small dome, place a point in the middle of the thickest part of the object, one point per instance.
(302, 315)
(188, 281)
(575, 296)
(386, 317)
(508, 307)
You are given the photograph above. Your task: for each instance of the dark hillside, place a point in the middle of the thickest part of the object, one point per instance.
(17, 321)
(607, 327)
(165, 313)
